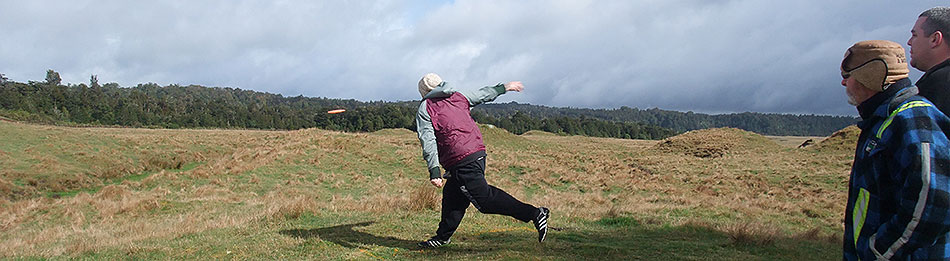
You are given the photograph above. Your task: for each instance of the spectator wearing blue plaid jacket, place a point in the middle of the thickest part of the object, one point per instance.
(899, 190)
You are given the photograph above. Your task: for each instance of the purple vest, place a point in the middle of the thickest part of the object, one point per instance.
(456, 134)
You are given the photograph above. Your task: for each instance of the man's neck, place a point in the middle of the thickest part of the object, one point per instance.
(939, 62)
(941, 55)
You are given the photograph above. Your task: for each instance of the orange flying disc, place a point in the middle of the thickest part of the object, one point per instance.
(336, 111)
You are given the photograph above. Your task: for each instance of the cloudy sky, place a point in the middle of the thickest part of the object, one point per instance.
(686, 55)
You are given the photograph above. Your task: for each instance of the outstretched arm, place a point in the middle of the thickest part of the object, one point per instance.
(489, 93)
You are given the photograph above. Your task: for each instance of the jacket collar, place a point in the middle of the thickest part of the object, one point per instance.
(945, 63)
(443, 90)
(881, 104)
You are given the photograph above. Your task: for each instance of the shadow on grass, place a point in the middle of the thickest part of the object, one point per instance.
(610, 240)
(347, 236)
(627, 242)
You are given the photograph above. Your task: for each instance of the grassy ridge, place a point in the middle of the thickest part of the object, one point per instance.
(106, 193)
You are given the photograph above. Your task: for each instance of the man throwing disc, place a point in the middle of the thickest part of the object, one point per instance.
(451, 139)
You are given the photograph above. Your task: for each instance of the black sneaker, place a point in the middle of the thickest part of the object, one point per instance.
(433, 243)
(541, 223)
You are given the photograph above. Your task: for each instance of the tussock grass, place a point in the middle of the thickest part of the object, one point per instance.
(751, 233)
(284, 208)
(425, 197)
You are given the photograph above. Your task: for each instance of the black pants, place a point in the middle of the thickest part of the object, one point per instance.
(466, 184)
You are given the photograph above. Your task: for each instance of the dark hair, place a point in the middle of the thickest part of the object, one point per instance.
(938, 19)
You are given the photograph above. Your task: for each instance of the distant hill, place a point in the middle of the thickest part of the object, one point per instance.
(762, 123)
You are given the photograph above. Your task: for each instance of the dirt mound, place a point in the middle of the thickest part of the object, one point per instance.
(714, 143)
(844, 139)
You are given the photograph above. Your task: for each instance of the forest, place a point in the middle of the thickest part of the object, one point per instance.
(194, 106)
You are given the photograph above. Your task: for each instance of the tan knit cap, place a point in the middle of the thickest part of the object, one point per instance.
(428, 82)
(875, 63)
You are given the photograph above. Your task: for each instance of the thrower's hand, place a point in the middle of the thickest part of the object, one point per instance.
(514, 86)
(437, 182)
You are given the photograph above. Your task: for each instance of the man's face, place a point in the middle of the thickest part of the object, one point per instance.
(919, 43)
(855, 91)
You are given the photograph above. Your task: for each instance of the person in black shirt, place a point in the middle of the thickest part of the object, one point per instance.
(930, 53)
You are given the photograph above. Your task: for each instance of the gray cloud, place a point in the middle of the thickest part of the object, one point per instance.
(704, 56)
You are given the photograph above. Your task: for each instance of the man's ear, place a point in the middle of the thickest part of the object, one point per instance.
(936, 39)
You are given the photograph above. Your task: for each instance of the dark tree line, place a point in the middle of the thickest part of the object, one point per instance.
(520, 123)
(762, 123)
(193, 106)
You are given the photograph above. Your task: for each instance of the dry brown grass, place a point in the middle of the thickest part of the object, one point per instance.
(122, 214)
(713, 143)
(750, 178)
(8, 189)
(116, 217)
(816, 234)
(538, 133)
(794, 141)
(282, 208)
(75, 158)
(752, 233)
(114, 200)
(843, 140)
(425, 197)
(16, 212)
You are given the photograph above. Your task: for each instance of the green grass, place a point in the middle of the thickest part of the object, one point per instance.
(618, 222)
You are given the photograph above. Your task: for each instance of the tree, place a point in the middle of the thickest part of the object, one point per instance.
(52, 77)
(93, 81)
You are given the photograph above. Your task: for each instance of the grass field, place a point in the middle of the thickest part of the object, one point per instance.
(111, 193)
